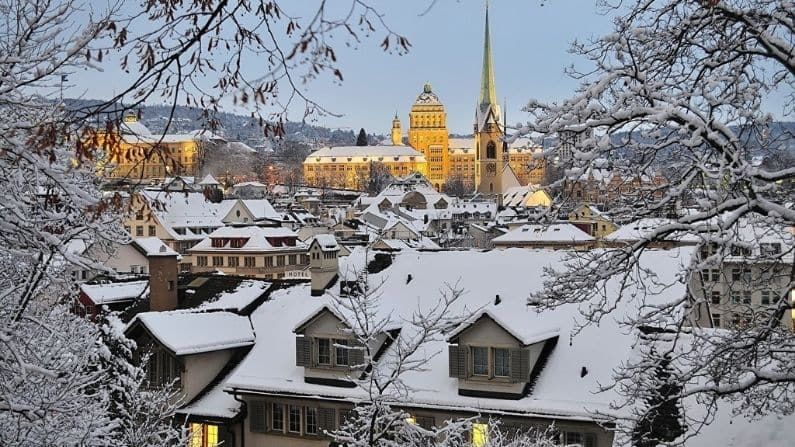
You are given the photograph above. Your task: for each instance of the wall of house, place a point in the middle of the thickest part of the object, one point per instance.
(201, 369)
(238, 214)
(126, 256)
(600, 436)
(728, 311)
(489, 334)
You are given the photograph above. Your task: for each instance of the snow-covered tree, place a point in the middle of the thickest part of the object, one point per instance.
(683, 91)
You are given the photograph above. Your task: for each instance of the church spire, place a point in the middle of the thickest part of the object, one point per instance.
(488, 94)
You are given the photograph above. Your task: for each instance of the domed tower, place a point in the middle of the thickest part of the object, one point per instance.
(428, 134)
(397, 132)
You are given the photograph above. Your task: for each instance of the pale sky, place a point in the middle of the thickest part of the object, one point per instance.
(530, 44)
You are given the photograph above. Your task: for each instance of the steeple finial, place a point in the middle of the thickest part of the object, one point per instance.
(488, 94)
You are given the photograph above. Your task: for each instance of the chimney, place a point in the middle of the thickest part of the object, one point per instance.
(323, 262)
(163, 269)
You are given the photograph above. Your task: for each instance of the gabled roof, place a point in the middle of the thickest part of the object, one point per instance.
(186, 333)
(540, 233)
(559, 391)
(326, 242)
(115, 292)
(523, 334)
(152, 246)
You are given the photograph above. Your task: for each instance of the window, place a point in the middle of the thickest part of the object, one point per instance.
(341, 353)
(715, 320)
(127, 228)
(139, 230)
(746, 297)
(311, 421)
(578, 439)
(249, 261)
(218, 261)
(501, 362)
(765, 297)
(295, 419)
(480, 361)
(268, 261)
(741, 275)
(280, 260)
(277, 417)
(770, 249)
(735, 297)
(201, 261)
(323, 351)
(292, 260)
(161, 368)
(480, 435)
(152, 230)
(715, 297)
(203, 435)
(170, 285)
(233, 261)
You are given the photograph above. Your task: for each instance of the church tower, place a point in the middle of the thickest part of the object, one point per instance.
(397, 132)
(491, 158)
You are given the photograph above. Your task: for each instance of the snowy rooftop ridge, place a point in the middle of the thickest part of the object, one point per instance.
(190, 332)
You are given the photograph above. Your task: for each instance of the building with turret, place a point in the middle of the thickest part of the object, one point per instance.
(484, 163)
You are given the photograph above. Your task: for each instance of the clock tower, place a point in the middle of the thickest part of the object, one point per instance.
(491, 159)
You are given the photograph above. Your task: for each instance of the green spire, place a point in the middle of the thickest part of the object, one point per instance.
(488, 94)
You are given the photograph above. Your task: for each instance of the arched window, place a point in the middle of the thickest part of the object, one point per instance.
(491, 150)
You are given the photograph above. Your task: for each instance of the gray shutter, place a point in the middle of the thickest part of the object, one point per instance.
(256, 416)
(356, 355)
(426, 422)
(303, 351)
(325, 419)
(520, 365)
(458, 361)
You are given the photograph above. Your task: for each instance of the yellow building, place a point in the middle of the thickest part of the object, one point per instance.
(349, 167)
(135, 153)
(428, 134)
(484, 163)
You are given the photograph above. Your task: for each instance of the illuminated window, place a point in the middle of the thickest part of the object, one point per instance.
(203, 435)
(480, 435)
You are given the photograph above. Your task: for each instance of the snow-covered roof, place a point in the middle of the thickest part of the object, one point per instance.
(552, 233)
(240, 297)
(251, 184)
(153, 246)
(372, 153)
(109, 293)
(261, 209)
(559, 391)
(327, 242)
(183, 210)
(209, 180)
(185, 332)
(256, 239)
(215, 403)
(638, 229)
(525, 334)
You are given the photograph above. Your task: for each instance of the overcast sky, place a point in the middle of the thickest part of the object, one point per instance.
(530, 43)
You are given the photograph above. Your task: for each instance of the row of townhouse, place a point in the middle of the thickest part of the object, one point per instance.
(284, 372)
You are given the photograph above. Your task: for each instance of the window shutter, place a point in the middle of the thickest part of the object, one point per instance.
(520, 365)
(426, 422)
(458, 361)
(355, 355)
(303, 351)
(325, 419)
(153, 369)
(256, 416)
